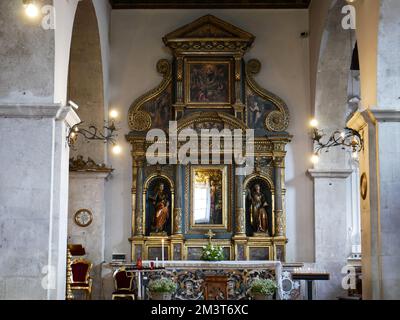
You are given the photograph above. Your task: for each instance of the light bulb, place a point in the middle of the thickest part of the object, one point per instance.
(314, 123)
(113, 114)
(354, 155)
(116, 149)
(315, 158)
(343, 134)
(31, 10)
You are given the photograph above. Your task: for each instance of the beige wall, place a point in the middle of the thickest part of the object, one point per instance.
(136, 46)
(367, 37)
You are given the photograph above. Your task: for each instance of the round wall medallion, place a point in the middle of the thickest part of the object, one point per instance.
(364, 186)
(83, 217)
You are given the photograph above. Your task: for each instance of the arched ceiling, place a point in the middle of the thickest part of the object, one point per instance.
(205, 4)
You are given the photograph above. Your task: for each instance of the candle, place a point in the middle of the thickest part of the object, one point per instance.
(162, 252)
(156, 262)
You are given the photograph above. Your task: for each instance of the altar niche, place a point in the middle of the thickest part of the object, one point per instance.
(209, 85)
(159, 197)
(259, 195)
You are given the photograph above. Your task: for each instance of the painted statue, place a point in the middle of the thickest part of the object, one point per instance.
(161, 205)
(258, 210)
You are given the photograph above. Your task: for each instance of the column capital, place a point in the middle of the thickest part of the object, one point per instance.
(385, 115)
(330, 174)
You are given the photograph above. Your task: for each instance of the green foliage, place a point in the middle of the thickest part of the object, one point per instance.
(162, 285)
(265, 287)
(212, 253)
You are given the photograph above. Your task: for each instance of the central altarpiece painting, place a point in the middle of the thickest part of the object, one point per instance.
(209, 85)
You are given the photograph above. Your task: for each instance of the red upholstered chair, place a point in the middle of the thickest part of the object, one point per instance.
(124, 285)
(80, 277)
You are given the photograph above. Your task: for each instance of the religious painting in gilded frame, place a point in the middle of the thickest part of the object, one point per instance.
(209, 200)
(208, 83)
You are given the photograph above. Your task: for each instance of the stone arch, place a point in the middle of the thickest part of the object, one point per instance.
(85, 77)
(334, 63)
(334, 90)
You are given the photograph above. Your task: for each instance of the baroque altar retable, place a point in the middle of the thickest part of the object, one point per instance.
(208, 85)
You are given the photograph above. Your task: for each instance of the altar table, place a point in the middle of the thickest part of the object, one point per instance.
(190, 275)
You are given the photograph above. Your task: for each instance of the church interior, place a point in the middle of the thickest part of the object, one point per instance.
(199, 150)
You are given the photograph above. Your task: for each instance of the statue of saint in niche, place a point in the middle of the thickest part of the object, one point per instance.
(160, 202)
(258, 210)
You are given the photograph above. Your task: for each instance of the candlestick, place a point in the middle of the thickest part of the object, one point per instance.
(162, 252)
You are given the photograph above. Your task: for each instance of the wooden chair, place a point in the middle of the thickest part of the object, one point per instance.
(80, 277)
(124, 285)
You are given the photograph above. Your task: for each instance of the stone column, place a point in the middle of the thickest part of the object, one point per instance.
(178, 200)
(139, 199)
(280, 219)
(380, 202)
(87, 191)
(240, 213)
(34, 198)
(332, 247)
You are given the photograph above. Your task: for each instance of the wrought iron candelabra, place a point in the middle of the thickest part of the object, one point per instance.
(348, 138)
(92, 133)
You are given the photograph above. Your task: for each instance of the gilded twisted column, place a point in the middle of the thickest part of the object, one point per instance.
(280, 220)
(240, 213)
(178, 200)
(69, 295)
(133, 193)
(139, 199)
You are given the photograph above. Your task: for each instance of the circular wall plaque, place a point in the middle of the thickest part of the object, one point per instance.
(83, 217)
(364, 186)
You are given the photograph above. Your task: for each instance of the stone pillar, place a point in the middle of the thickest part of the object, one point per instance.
(139, 200)
(380, 202)
(240, 213)
(178, 200)
(87, 191)
(280, 219)
(34, 200)
(332, 247)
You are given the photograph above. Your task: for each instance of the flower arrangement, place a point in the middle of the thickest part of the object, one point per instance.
(162, 285)
(264, 287)
(212, 253)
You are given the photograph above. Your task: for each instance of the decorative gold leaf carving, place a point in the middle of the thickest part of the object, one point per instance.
(139, 120)
(276, 120)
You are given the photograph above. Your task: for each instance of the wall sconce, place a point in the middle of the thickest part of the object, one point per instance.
(31, 8)
(92, 133)
(346, 138)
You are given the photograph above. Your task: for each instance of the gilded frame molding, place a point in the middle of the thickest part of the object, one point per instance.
(225, 203)
(208, 105)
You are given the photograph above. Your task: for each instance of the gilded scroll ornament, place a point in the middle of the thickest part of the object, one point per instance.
(276, 120)
(140, 120)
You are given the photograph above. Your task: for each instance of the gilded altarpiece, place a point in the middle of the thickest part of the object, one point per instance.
(209, 85)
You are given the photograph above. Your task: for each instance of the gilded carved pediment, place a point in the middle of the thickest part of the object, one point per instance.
(209, 33)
